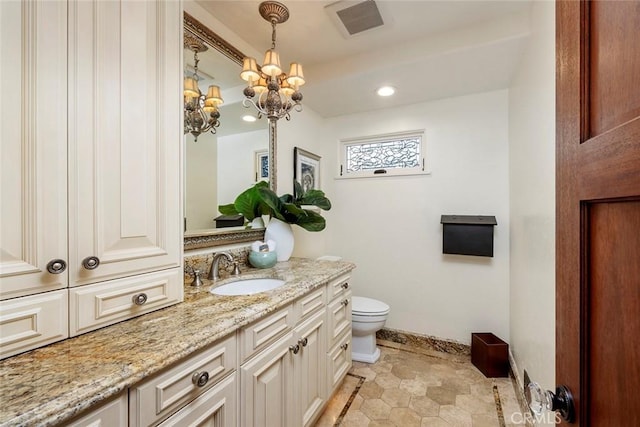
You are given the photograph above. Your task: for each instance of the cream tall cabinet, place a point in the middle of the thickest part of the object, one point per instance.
(90, 165)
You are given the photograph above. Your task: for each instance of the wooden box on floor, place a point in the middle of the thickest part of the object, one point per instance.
(490, 354)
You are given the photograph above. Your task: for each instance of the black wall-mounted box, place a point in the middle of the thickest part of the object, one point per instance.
(468, 234)
(229, 221)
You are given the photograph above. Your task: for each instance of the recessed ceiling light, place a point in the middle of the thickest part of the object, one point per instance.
(386, 91)
(249, 118)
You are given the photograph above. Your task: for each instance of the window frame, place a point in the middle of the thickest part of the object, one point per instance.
(387, 137)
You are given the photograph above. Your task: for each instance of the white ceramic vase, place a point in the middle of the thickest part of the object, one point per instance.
(281, 233)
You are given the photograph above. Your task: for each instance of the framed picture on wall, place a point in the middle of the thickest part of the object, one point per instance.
(262, 165)
(306, 169)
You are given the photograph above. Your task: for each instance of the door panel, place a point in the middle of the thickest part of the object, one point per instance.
(33, 142)
(598, 209)
(124, 137)
(614, 64)
(613, 312)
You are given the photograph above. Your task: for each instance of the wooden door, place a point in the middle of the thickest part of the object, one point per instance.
(598, 209)
(33, 146)
(125, 137)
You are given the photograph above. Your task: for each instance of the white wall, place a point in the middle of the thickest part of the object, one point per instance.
(200, 181)
(236, 163)
(532, 194)
(390, 226)
(308, 131)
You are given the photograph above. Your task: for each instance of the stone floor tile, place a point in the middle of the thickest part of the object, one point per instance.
(455, 416)
(414, 387)
(381, 423)
(424, 406)
(484, 420)
(404, 417)
(371, 390)
(396, 398)
(375, 409)
(356, 403)
(387, 380)
(459, 385)
(442, 395)
(429, 379)
(381, 367)
(434, 422)
(355, 419)
(365, 372)
(474, 404)
(403, 372)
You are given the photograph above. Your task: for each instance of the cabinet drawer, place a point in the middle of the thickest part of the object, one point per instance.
(257, 336)
(339, 361)
(339, 312)
(156, 398)
(309, 304)
(112, 413)
(216, 407)
(95, 306)
(32, 321)
(338, 287)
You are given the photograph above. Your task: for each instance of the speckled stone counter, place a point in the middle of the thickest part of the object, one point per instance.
(52, 384)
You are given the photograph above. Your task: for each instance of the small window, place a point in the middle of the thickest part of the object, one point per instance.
(383, 155)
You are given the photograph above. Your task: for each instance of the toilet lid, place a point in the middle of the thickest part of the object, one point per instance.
(368, 306)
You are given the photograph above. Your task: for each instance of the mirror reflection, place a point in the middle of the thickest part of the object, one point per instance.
(219, 166)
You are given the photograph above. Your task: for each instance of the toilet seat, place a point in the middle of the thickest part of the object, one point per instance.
(363, 306)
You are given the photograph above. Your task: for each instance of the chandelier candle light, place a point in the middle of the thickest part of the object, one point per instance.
(277, 92)
(200, 112)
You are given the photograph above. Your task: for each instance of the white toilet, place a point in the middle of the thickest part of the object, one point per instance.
(368, 316)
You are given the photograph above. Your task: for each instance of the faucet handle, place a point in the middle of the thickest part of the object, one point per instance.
(197, 281)
(236, 269)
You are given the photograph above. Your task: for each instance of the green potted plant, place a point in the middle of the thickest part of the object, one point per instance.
(283, 211)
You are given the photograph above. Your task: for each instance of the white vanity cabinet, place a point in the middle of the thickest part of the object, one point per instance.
(288, 382)
(90, 164)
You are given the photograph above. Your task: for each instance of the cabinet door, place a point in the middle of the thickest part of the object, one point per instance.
(112, 413)
(125, 77)
(267, 387)
(33, 145)
(310, 376)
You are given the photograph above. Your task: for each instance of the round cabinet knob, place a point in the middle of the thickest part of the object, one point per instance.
(200, 378)
(91, 262)
(345, 346)
(139, 299)
(345, 302)
(56, 266)
(294, 348)
(303, 342)
(541, 400)
(345, 285)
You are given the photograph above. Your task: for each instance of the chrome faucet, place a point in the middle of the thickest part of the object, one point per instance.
(214, 273)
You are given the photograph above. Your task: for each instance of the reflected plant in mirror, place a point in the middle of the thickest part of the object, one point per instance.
(217, 166)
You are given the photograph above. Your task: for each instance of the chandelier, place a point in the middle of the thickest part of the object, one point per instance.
(200, 112)
(277, 92)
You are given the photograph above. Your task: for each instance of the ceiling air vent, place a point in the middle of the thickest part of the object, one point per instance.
(354, 17)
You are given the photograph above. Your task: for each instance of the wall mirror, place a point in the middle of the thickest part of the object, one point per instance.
(219, 166)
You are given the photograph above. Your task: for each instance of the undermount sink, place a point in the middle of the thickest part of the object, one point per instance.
(247, 287)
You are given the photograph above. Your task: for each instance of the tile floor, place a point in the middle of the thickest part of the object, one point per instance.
(415, 387)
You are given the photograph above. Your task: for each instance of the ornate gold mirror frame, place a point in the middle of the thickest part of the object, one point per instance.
(217, 237)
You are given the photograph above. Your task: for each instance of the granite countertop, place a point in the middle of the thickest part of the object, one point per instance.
(54, 383)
